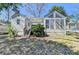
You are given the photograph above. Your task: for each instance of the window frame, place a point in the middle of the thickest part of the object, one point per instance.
(18, 21)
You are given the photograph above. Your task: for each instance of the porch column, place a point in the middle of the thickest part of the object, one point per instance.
(54, 24)
(65, 26)
(49, 24)
(45, 23)
(54, 15)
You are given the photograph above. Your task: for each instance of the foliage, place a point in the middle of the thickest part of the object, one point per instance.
(76, 53)
(38, 30)
(7, 6)
(59, 9)
(68, 33)
(11, 31)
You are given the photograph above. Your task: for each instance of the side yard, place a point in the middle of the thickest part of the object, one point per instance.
(33, 47)
(39, 46)
(69, 40)
(54, 44)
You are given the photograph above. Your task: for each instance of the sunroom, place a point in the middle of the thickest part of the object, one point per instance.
(55, 22)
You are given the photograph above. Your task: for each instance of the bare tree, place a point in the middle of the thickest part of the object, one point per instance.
(35, 9)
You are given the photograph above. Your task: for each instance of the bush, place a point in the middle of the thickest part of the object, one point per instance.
(76, 35)
(11, 31)
(38, 30)
(76, 53)
(68, 33)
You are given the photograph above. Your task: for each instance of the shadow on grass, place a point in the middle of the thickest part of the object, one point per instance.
(34, 47)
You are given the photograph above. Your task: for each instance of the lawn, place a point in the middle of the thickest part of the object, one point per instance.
(70, 40)
(54, 44)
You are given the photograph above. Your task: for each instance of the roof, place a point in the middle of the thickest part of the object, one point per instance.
(55, 14)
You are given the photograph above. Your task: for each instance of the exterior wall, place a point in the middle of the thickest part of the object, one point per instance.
(18, 27)
(25, 23)
(3, 28)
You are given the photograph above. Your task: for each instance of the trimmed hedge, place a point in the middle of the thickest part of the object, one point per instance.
(38, 30)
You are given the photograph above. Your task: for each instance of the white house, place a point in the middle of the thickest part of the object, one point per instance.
(21, 24)
(54, 22)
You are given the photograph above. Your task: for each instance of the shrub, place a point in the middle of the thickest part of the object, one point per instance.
(76, 53)
(11, 31)
(38, 30)
(68, 33)
(76, 35)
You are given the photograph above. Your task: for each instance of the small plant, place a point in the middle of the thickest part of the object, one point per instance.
(11, 31)
(68, 33)
(38, 30)
(76, 35)
(76, 53)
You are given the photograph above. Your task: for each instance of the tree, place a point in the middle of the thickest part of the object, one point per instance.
(7, 6)
(59, 9)
(36, 10)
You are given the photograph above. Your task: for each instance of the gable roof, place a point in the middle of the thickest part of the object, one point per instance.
(55, 14)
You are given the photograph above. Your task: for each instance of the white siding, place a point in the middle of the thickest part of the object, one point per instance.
(25, 22)
(18, 27)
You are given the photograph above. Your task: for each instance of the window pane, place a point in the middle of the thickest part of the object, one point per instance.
(47, 23)
(18, 21)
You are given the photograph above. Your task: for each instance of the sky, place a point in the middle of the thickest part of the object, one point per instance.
(70, 8)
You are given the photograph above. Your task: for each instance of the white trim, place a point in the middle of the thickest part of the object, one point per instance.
(54, 14)
(59, 14)
(55, 30)
(55, 18)
(65, 25)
